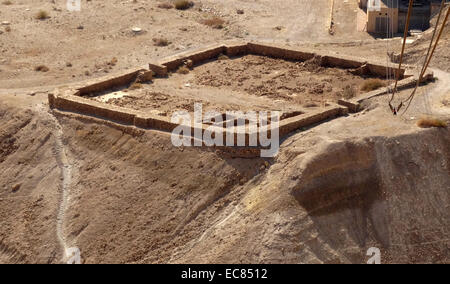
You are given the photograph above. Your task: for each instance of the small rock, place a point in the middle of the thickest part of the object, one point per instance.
(136, 30)
(189, 63)
(16, 187)
(5, 23)
(80, 27)
(240, 11)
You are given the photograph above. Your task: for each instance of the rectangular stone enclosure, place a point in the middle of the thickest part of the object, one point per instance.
(77, 100)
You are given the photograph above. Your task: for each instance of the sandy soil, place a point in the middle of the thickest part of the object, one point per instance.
(76, 46)
(79, 45)
(125, 195)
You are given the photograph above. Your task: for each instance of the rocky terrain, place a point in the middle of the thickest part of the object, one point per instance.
(419, 48)
(127, 195)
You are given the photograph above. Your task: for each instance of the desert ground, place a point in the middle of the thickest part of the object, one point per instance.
(127, 195)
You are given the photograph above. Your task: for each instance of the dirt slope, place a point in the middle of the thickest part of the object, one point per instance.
(126, 190)
(331, 196)
(29, 191)
(333, 192)
(416, 52)
(141, 197)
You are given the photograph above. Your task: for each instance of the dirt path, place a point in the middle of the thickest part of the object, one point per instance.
(430, 101)
(59, 152)
(66, 175)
